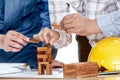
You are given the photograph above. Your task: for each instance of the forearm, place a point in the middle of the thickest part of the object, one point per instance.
(1, 41)
(110, 24)
(92, 27)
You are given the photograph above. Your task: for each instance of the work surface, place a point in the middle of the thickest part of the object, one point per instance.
(57, 75)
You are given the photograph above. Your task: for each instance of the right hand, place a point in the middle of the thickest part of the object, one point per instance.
(14, 41)
(47, 35)
(80, 25)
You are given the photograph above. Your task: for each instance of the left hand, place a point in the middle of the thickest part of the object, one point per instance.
(13, 41)
(57, 64)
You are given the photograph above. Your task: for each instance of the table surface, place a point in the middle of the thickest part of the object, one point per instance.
(56, 75)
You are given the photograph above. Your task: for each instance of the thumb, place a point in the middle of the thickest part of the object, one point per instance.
(35, 36)
(52, 38)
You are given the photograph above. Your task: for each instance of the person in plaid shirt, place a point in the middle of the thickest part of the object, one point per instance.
(93, 9)
(90, 8)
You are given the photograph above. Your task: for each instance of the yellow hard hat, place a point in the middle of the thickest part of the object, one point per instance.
(107, 53)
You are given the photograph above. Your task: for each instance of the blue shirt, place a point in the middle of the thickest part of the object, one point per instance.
(110, 24)
(27, 17)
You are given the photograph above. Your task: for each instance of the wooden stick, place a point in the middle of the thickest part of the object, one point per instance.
(33, 41)
(56, 26)
(36, 41)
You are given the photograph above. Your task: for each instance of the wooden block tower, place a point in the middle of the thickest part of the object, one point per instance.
(44, 60)
(44, 56)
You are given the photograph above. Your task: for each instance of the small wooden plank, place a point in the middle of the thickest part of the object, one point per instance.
(47, 45)
(40, 69)
(33, 41)
(39, 49)
(45, 63)
(48, 69)
(56, 26)
(42, 56)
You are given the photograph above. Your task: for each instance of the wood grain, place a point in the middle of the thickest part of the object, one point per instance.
(33, 41)
(56, 26)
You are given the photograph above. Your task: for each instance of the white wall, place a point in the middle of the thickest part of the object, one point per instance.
(69, 54)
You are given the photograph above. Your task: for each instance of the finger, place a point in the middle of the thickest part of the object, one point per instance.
(11, 49)
(18, 40)
(26, 39)
(64, 19)
(68, 16)
(15, 45)
(52, 38)
(56, 64)
(61, 25)
(21, 36)
(68, 21)
(39, 36)
(71, 30)
(36, 37)
(68, 26)
(45, 35)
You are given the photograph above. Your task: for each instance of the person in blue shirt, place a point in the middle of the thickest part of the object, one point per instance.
(19, 21)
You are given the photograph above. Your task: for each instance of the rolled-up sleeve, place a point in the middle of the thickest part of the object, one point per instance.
(110, 24)
(64, 40)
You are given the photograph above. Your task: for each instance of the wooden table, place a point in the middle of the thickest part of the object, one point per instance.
(33, 75)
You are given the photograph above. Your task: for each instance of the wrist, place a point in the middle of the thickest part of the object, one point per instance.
(93, 27)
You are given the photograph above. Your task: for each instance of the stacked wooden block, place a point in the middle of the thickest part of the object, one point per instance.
(44, 60)
(79, 70)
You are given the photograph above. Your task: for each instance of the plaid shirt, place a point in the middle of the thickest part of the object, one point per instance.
(89, 8)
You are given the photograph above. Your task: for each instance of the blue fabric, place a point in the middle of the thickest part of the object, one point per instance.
(110, 23)
(27, 17)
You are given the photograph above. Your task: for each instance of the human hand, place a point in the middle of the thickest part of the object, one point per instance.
(47, 35)
(57, 64)
(14, 41)
(78, 24)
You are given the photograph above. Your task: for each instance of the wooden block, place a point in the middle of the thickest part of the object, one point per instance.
(39, 60)
(45, 63)
(48, 69)
(40, 69)
(47, 45)
(49, 60)
(33, 41)
(70, 71)
(39, 49)
(43, 56)
(87, 69)
(79, 70)
(56, 26)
